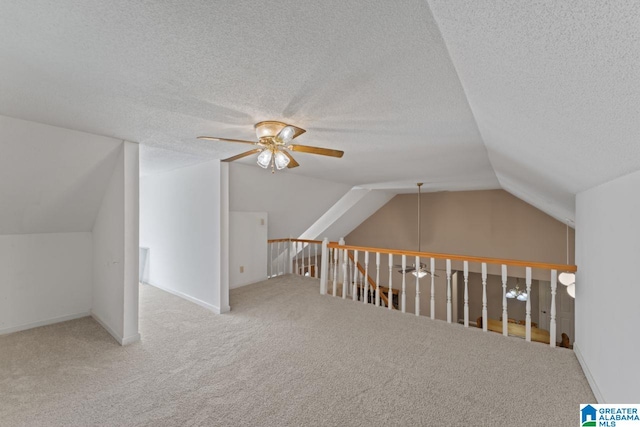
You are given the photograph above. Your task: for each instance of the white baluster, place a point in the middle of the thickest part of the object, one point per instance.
(485, 319)
(270, 256)
(295, 255)
(309, 259)
(325, 266)
(315, 260)
(403, 305)
(466, 294)
(377, 279)
(280, 256)
(505, 315)
(302, 255)
(528, 315)
(449, 307)
(345, 274)
(433, 288)
(366, 277)
(354, 290)
(418, 271)
(356, 274)
(335, 271)
(289, 259)
(390, 294)
(552, 324)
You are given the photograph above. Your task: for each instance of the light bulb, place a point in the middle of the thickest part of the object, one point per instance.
(281, 160)
(523, 296)
(511, 294)
(571, 290)
(286, 134)
(567, 278)
(264, 159)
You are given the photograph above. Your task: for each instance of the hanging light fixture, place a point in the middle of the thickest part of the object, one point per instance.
(281, 160)
(567, 278)
(264, 159)
(421, 270)
(517, 293)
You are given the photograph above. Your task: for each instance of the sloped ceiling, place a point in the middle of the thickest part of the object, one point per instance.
(52, 180)
(555, 89)
(540, 98)
(371, 78)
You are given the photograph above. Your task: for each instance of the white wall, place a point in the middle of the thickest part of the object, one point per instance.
(51, 179)
(115, 251)
(44, 278)
(248, 248)
(607, 293)
(180, 223)
(293, 202)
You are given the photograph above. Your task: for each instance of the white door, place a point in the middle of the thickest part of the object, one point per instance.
(544, 304)
(564, 310)
(565, 314)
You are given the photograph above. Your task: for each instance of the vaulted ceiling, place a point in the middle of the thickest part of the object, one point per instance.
(540, 98)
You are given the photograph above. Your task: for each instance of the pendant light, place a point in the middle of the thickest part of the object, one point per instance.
(420, 270)
(567, 278)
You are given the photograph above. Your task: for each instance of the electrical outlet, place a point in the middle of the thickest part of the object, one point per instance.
(242, 269)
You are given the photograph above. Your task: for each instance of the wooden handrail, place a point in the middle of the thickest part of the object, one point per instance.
(373, 284)
(511, 262)
(295, 240)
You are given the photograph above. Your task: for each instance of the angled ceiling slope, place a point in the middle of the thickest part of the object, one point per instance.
(373, 79)
(52, 180)
(555, 89)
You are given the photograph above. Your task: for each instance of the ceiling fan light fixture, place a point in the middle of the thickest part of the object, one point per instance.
(281, 160)
(419, 273)
(286, 135)
(264, 158)
(268, 129)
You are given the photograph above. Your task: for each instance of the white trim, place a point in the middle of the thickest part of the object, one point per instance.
(102, 323)
(46, 322)
(131, 339)
(587, 373)
(189, 298)
(117, 337)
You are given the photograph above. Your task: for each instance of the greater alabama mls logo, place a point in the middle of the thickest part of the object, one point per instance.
(609, 415)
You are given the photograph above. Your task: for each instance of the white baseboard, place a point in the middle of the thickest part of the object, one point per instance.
(46, 322)
(131, 339)
(587, 373)
(189, 298)
(116, 336)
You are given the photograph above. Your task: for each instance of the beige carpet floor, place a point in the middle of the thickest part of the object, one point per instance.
(285, 355)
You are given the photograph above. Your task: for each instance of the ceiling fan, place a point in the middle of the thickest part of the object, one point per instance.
(274, 144)
(421, 270)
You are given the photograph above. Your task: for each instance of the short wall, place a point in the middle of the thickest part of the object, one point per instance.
(247, 248)
(44, 279)
(180, 224)
(115, 250)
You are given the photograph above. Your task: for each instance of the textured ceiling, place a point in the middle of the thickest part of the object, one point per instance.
(371, 78)
(540, 97)
(555, 89)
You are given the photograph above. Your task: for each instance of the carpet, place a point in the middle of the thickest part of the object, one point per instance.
(284, 356)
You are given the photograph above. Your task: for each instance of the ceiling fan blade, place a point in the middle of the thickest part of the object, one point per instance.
(213, 138)
(241, 155)
(316, 150)
(292, 161)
